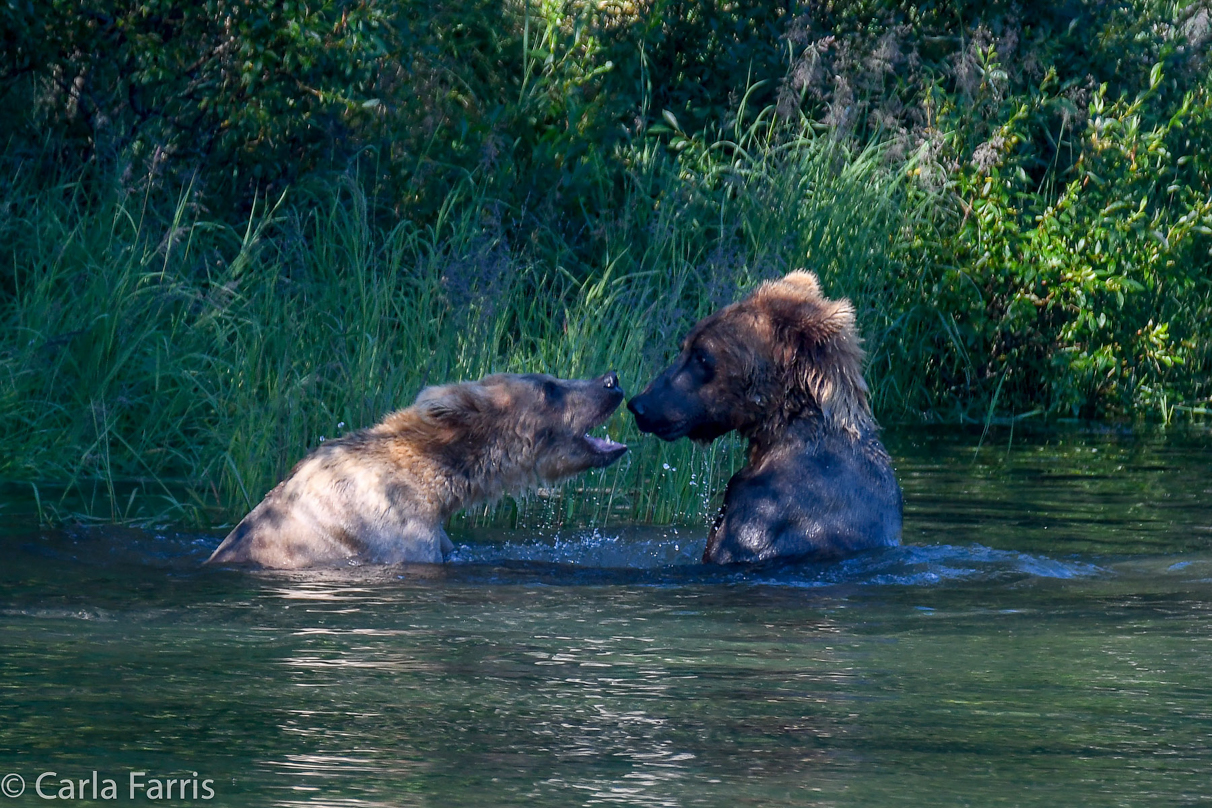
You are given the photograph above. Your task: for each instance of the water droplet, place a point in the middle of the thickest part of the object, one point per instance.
(665, 466)
(321, 439)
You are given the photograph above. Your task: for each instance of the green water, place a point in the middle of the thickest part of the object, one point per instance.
(1043, 638)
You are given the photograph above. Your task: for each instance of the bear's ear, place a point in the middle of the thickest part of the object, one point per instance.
(801, 315)
(816, 345)
(456, 405)
(802, 282)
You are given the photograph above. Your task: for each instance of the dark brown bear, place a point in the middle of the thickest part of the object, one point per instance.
(380, 495)
(783, 368)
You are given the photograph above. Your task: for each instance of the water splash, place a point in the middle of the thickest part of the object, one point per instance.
(676, 550)
(626, 548)
(659, 555)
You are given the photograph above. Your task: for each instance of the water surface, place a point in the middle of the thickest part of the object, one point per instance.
(1042, 638)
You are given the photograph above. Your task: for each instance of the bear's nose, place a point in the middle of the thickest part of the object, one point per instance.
(636, 407)
(611, 380)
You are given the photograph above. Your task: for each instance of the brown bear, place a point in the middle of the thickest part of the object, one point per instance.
(783, 368)
(381, 495)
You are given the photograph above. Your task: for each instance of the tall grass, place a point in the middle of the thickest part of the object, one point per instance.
(157, 365)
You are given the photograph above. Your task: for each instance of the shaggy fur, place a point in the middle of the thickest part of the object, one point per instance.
(381, 495)
(783, 368)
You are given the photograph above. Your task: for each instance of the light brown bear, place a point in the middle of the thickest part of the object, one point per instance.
(381, 495)
(783, 368)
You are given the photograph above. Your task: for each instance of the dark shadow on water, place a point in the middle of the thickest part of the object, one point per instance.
(636, 556)
(671, 556)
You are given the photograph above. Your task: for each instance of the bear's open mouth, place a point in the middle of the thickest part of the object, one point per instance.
(603, 445)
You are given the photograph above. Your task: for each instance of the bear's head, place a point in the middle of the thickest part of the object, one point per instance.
(785, 352)
(535, 423)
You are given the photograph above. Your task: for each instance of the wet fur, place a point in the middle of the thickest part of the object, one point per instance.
(783, 367)
(381, 495)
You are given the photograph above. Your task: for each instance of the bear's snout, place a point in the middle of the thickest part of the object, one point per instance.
(655, 415)
(641, 408)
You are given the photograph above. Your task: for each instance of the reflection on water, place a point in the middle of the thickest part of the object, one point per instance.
(1042, 639)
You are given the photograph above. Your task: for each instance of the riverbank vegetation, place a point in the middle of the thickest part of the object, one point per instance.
(232, 231)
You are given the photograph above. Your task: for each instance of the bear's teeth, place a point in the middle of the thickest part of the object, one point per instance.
(601, 444)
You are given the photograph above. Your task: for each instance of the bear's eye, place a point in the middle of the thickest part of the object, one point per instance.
(701, 366)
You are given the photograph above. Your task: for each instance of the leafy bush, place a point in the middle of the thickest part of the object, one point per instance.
(1087, 298)
(249, 92)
